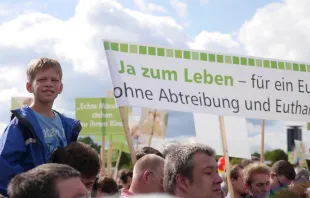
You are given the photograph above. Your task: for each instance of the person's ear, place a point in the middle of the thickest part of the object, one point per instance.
(146, 176)
(29, 87)
(182, 182)
(273, 175)
(61, 88)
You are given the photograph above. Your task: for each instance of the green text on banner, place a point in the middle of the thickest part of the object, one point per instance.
(207, 82)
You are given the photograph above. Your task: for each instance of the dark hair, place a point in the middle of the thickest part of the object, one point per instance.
(147, 150)
(246, 162)
(80, 156)
(107, 185)
(234, 172)
(284, 168)
(40, 181)
(124, 174)
(180, 161)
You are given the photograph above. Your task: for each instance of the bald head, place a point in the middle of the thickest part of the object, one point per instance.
(148, 174)
(149, 162)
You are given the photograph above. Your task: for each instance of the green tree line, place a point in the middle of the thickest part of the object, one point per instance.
(125, 162)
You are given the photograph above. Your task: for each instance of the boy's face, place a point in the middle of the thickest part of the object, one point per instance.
(46, 86)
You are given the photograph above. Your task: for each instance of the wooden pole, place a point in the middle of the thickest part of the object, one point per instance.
(262, 153)
(128, 136)
(109, 162)
(102, 154)
(117, 163)
(153, 126)
(225, 151)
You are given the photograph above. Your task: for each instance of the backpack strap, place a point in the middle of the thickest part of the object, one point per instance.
(28, 136)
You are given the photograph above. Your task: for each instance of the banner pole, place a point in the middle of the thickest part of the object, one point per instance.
(262, 153)
(128, 136)
(225, 151)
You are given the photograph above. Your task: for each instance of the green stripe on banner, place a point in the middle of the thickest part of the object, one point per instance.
(202, 56)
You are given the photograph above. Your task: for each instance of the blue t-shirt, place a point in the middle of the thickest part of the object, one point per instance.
(53, 132)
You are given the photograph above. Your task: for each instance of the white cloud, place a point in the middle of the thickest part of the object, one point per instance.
(12, 73)
(279, 30)
(30, 30)
(271, 131)
(149, 7)
(180, 8)
(273, 140)
(216, 41)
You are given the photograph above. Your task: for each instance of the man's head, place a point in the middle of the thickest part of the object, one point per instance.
(83, 158)
(168, 147)
(148, 174)
(44, 79)
(237, 180)
(246, 162)
(191, 171)
(106, 186)
(147, 150)
(257, 179)
(124, 179)
(48, 181)
(302, 182)
(282, 174)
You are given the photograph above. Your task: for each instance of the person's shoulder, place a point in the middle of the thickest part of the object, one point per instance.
(21, 114)
(65, 118)
(70, 123)
(18, 116)
(285, 193)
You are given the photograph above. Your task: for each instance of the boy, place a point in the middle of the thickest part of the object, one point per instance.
(36, 131)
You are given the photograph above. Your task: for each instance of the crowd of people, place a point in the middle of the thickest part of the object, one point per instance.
(41, 157)
(179, 170)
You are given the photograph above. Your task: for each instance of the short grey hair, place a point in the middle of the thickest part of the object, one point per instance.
(168, 147)
(180, 162)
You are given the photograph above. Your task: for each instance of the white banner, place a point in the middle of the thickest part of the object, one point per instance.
(206, 82)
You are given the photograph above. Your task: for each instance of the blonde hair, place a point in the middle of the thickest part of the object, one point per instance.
(41, 64)
(255, 168)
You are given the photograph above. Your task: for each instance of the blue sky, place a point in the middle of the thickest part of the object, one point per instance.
(71, 30)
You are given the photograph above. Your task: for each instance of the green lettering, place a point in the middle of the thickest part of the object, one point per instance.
(197, 78)
(219, 80)
(207, 77)
(170, 75)
(145, 72)
(131, 70)
(230, 79)
(186, 79)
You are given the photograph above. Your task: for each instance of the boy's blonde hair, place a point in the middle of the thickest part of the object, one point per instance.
(41, 64)
(255, 168)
